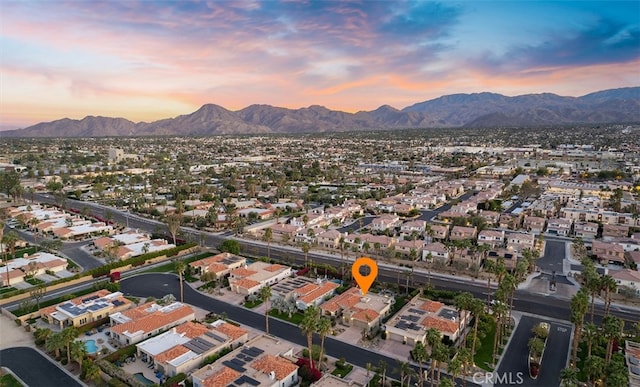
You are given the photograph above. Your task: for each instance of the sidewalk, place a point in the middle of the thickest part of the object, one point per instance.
(14, 335)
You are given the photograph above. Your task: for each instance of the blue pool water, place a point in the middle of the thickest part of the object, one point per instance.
(140, 376)
(91, 347)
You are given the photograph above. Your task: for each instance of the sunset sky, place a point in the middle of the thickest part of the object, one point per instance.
(150, 60)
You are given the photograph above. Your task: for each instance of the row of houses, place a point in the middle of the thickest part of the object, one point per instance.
(130, 244)
(18, 270)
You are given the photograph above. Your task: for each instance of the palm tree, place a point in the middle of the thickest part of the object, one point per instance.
(265, 296)
(612, 328)
(173, 224)
(55, 343)
(462, 302)
(267, 237)
(477, 308)
(92, 372)
(10, 240)
(404, 369)
(569, 377)
(68, 336)
(591, 334)
(324, 327)
(305, 249)
(420, 355)
(440, 355)
(455, 367)
(180, 267)
(466, 358)
(309, 326)
(608, 284)
(594, 367)
(433, 338)
(579, 308)
(382, 368)
(42, 334)
(78, 352)
(33, 222)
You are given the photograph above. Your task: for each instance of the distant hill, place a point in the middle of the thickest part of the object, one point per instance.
(456, 110)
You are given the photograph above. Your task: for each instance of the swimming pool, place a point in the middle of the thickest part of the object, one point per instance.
(140, 376)
(91, 346)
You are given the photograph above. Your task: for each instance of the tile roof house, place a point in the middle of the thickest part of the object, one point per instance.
(133, 326)
(220, 264)
(607, 252)
(329, 239)
(184, 347)
(314, 294)
(627, 278)
(517, 242)
(611, 231)
(355, 309)
(560, 226)
(462, 232)
(439, 232)
(411, 323)
(493, 238)
(262, 361)
(534, 224)
(385, 222)
(251, 279)
(436, 252)
(586, 230)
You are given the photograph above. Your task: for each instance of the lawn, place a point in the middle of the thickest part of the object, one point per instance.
(34, 281)
(483, 354)
(7, 290)
(341, 372)
(252, 304)
(9, 381)
(21, 312)
(296, 318)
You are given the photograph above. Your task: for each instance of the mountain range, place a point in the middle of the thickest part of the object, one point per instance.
(457, 110)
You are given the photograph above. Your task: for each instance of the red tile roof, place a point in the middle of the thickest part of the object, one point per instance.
(281, 366)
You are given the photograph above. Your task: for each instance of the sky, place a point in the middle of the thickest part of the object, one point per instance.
(149, 60)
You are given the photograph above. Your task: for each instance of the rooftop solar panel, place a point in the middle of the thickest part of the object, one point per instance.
(234, 366)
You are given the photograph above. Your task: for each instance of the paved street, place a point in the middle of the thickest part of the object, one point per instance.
(554, 254)
(515, 358)
(353, 227)
(34, 369)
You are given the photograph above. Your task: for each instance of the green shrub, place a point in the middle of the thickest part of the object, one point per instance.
(174, 380)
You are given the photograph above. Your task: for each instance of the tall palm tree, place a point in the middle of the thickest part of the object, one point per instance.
(594, 368)
(305, 249)
(323, 329)
(403, 368)
(462, 302)
(180, 267)
(33, 222)
(591, 334)
(78, 352)
(42, 334)
(92, 372)
(173, 224)
(267, 237)
(612, 329)
(420, 355)
(433, 338)
(265, 296)
(10, 240)
(440, 355)
(477, 308)
(382, 368)
(68, 336)
(466, 358)
(309, 326)
(455, 367)
(609, 285)
(579, 308)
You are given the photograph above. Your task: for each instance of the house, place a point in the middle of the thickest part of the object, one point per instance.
(435, 252)
(410, 325)
(492, 238)
(363, 312)
(385, 222)
(517, 242)
(607, 252)
(184, 347)
(408, 248)
(139, 248)
(418, 226)
(286, 289)
(512, 221)
(314, 294)
(263, 361)
(462, 232)
(219, 264)
(137, 324)
(534, 224)
(329, 239)
(611, 231)
(560, 227)
(85, 309)
(282, 232)
(632, 358)
(633, 257)
(250, 279)
(329, 380)
(382, 241)
(83, 231)
(438, 232)
(627, 278)
(586, 230)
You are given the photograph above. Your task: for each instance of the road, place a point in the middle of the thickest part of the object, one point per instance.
(554, 253)
(355, 226)
(515, 358)
(544, 305)
(34, 369)
(158, 285)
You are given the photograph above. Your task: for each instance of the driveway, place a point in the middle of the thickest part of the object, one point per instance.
(554, 254)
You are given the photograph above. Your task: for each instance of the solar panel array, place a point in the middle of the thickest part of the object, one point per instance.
(198, 345)
(417, 311)
(448, 314)
(245, 379)
(290, 284)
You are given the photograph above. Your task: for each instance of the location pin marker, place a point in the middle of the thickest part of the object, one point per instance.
(364, 281)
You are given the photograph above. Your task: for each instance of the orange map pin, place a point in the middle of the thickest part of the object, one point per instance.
(364, 281)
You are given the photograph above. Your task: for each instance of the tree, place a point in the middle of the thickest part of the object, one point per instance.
(309, 326)
(569, 377)
(420, 355)
(324, 327)
(230, 246)
(42, 334)
(37, 292)
(92, 372)
(579, 308)
(305, 249)
(10, 240)
(591, 334)
(68, 336)
(609, 285)
(265, 296)
(382, 369)
(594, 368)
(180, 267)
(404, 369)
(55, 343)
(267, 237)
(78, 352)
(612, 330)
(478, 310)
(455, 367)
(173, 224)
(433, 338)
(462, 302)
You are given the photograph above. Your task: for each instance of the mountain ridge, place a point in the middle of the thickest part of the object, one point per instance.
(483, 109)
